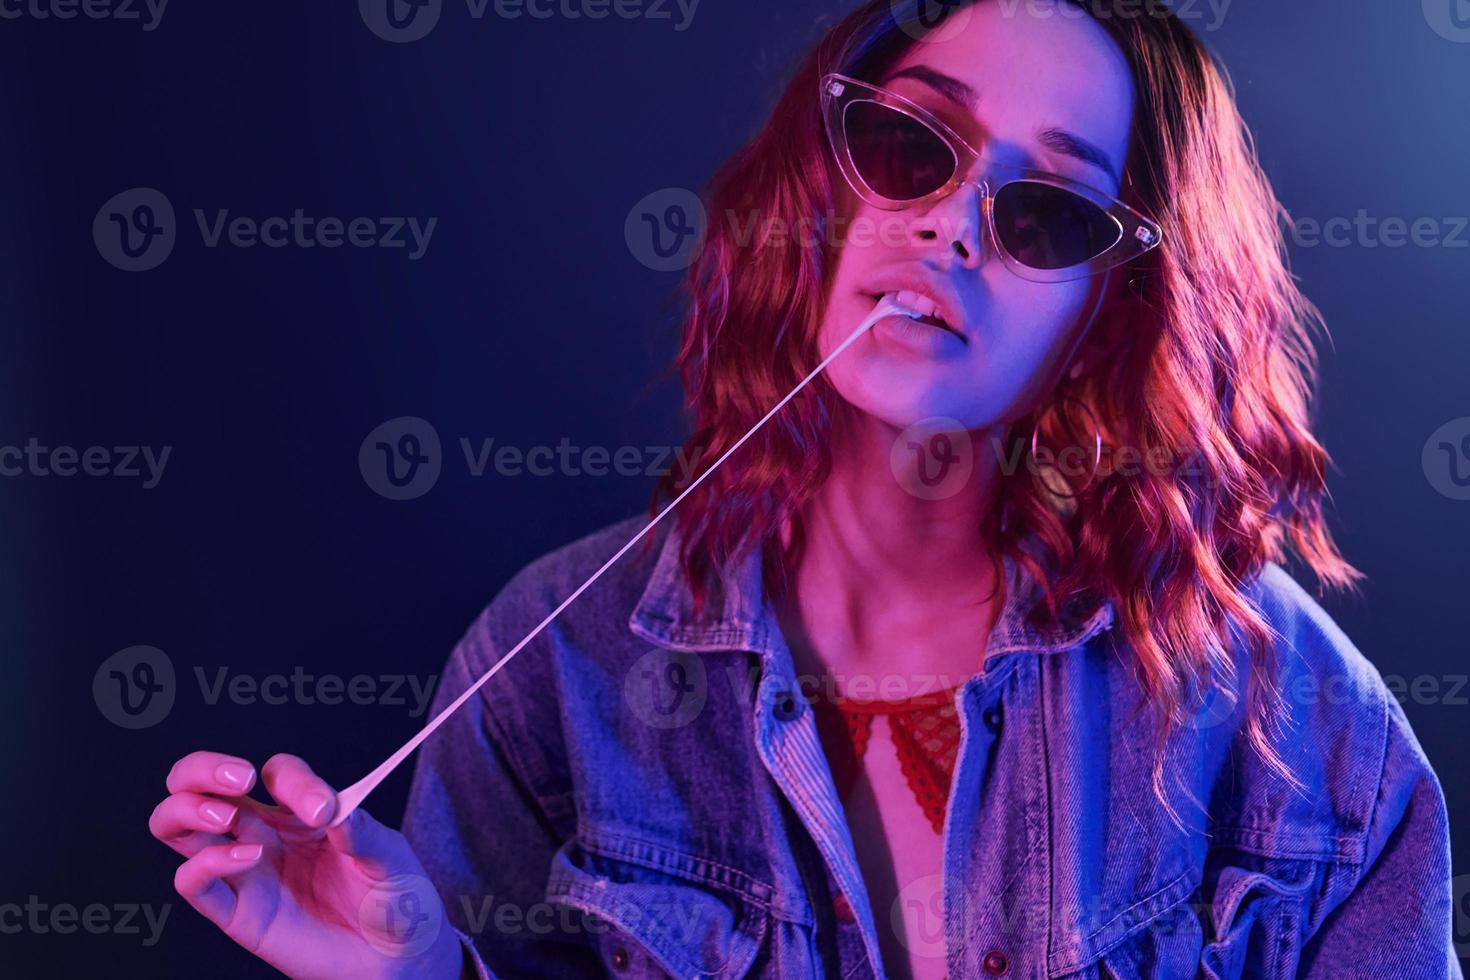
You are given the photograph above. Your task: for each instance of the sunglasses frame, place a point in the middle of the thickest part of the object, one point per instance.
(1137, 233)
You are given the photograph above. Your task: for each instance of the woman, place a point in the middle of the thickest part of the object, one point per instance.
(978, 660)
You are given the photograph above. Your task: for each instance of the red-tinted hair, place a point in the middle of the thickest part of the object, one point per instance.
(1209, 359)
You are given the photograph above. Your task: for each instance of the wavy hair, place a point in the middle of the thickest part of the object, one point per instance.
(1209, 359)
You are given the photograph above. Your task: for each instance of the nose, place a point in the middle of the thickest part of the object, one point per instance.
(953, 228)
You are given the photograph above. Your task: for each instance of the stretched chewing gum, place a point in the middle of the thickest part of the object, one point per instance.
(351, 797)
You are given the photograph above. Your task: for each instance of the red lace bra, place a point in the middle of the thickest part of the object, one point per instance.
(926, 735)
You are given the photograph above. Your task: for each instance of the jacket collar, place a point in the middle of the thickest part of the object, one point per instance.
(741, 617)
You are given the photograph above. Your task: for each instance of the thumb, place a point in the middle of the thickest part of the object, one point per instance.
(379, 851)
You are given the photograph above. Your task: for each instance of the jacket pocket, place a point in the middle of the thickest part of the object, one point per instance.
(1256, 908)
(1244, 920)
(645, 920)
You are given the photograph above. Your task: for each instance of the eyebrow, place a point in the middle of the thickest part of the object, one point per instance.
(1052, 137)
(1072, 145)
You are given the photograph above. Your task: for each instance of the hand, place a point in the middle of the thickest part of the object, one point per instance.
(350, 901)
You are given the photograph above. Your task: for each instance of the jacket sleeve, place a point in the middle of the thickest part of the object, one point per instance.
(1396, 919)
(485, 842)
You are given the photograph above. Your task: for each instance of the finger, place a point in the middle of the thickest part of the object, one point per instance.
(211, 772)
(200, 881)
(188, 821)
(379, 851)
(180, 812)
(294, 786)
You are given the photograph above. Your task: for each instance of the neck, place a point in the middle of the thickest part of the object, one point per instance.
(870, 525)
(886, 573)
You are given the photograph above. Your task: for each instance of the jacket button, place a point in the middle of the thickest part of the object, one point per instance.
(619, 959)
(992, 719)
(995, 963)
(842, 908)
(786, 706)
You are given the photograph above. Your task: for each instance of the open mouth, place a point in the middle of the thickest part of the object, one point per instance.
(928, 311)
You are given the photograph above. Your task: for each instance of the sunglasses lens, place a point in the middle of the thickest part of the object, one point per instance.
(894, 153)
(1047, 227)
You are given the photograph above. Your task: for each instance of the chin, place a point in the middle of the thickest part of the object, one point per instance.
(907, 395)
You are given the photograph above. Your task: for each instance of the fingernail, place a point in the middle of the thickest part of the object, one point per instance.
(235, 775)
(217, 813)
(316, 805)
(245, 852)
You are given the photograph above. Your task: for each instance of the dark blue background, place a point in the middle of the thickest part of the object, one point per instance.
(528, 320)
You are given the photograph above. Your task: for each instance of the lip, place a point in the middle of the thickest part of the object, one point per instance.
(946, 304)
(902, 336)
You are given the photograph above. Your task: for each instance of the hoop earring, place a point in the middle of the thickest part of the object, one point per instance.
(1096, 444)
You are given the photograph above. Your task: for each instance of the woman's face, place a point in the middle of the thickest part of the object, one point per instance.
(1026, 88)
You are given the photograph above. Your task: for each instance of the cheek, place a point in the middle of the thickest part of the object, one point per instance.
(864, 240)
(1032, 325)
(843, 306)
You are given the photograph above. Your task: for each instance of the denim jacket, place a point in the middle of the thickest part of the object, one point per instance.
(641, 793)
